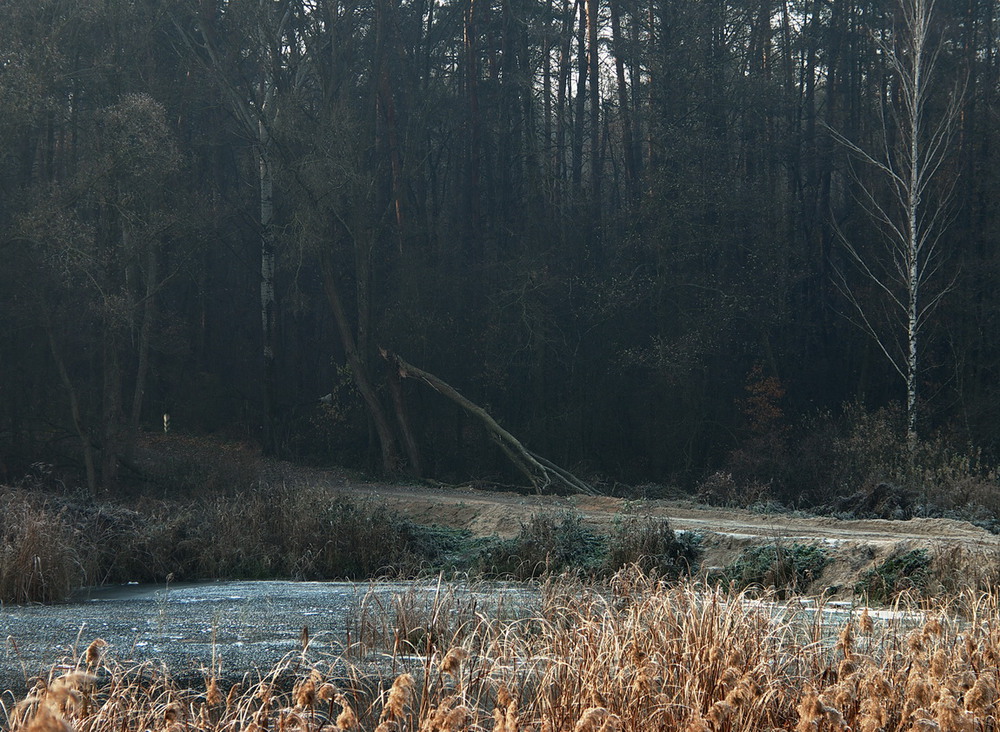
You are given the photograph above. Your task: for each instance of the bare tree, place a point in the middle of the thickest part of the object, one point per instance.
(913, 215)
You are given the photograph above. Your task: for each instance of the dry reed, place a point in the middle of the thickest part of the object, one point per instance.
(646, 656)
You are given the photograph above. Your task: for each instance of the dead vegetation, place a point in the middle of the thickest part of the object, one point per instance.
(646, 656)
(51, 544)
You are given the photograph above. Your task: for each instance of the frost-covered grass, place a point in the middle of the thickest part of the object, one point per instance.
(641, 656)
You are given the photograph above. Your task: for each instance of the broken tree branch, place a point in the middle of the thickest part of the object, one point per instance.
(542, 473)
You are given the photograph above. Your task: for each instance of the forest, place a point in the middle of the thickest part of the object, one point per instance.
(746, 245)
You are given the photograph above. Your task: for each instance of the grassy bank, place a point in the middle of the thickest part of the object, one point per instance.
(52, 543)
(644, 656)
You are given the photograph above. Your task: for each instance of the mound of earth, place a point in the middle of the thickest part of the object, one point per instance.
(961, 554)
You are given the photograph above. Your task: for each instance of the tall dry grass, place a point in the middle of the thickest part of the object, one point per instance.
(643, 657)
(51, 544)
(37, 557)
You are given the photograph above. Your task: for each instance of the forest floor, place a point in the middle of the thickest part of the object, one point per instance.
(961, 553)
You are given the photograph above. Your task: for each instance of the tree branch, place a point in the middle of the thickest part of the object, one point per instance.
(540, 472)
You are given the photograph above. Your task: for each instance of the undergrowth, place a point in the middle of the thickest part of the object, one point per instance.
(786, 569)
(51, 544)
(902, 572)
(859, 464)
(548, 545)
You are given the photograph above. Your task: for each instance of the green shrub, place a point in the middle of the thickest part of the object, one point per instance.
(788, 569)
(544, 545)
(651, 545)
(899, 573)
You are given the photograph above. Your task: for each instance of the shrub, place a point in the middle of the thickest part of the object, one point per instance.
(358, 540)
(903, 571)
(543, 545)
(182, 465)
(724, 489)
(650, 544)
(941, 477)
(38, 557)
(834, 463)
(307, 533)
(788, 569)
(52, 544)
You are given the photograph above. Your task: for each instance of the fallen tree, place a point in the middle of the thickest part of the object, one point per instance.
(542, 473)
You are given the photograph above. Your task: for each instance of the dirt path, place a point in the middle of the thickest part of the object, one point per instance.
(961, 552)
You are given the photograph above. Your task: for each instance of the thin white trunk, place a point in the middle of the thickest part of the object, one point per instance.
(915, 92)
(909, 258)
(255, 109)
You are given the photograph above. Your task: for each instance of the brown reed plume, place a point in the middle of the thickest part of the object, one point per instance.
(644, 657)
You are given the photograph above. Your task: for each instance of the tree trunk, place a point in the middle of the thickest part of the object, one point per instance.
(385, 101)
(547, 90)
(583, 66)
(403, 420)
(918, 24)
(86, 446)
(910, 256)
(472, 130)
(387, 443)
(562, 93)
(145, 335)
(267, 305)
(111, 416)
(596, 157)
(631, 178)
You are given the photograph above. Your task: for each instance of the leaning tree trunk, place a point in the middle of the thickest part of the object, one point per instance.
(403, 421)
(541, 473)
(359, 372)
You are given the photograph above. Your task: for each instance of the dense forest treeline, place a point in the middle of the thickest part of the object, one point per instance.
(654, 239)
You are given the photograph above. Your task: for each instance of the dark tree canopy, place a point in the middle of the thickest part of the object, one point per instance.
(617, 226)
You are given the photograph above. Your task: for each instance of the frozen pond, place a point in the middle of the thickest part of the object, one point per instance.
(241, 625)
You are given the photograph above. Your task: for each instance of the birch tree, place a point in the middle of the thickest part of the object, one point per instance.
(912, 216)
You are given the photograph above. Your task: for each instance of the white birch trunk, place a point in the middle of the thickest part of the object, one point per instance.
(914, 93)
(911, 231)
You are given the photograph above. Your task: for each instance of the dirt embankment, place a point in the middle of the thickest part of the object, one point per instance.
(961, 552)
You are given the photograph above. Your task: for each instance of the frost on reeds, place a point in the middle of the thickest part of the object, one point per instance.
(640, 657)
